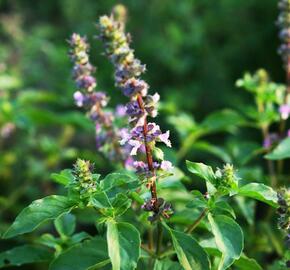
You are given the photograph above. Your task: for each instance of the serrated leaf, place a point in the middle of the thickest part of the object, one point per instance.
(190, 254)
(65, 224)
(228, 237)
(38, 212)
(259, 192)
(24, 254)
(281, 151)
(123, 245)
(83, 256)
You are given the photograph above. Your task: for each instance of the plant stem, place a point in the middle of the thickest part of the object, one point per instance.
(159, 238)
(149, 157)
(197, 221)
(150, 239)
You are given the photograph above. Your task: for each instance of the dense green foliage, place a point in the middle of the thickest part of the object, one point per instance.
(195, 52)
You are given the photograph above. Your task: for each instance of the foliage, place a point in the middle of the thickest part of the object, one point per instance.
(129, 202)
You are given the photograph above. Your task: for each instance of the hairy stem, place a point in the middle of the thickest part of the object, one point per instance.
(197, 221)
(148, 150)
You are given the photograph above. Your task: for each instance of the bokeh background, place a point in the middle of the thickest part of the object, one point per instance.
(195, 50)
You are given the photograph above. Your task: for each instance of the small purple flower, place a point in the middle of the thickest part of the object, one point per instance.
(79, 98)
(120, 110)
(270, 140)
(135, 86)
(284, 111)
(166, 165)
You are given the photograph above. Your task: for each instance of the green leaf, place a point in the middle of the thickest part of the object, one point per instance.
(65, 224)
(198, 200)
(24, 255)
(201, 170)
(63, 178)
(223, 206)
(115, 183)
(38, 212)
(259, 192)
(281, 151)
(245, 263)
(190, 254)
(228, 237)
(83, 256)
(121, 204)
(123, 244)
(167, 264)
(225, 120)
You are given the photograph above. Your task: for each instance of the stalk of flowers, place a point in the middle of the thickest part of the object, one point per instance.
(143, 135)
(284, 50)
(284, 216)
(107, 136)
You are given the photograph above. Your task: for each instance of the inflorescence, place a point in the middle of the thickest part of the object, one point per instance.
(143, 135)
(284, 50)
(107, 135)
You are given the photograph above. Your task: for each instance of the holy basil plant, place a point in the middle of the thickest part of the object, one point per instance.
(120, 240)
(143, 215)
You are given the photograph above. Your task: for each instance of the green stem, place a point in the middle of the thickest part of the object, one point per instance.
(159, 238)
(197, 221)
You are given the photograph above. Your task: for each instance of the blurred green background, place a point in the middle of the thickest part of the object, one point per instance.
(194, 50)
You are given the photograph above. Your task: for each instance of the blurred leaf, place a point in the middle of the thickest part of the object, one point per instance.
(282, 151)
(229, 239)
(9, 82)
(83, 256)
(259, 192)
(247, 208)
(225, 120)
(167, 264)
(123, 245)
(24, 254)
(245, 263)
(37, 213)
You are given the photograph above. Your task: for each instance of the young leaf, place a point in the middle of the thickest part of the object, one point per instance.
(121, 204)
(63, 178)
(38, 212)
(167, 264)
(228, 237)
(224, 207)
(259, 192)
(198, 200)
(190, 254)
(201, 170)
(65, 224)
(117, 182)
(83, 256)
(282, 151)
(24, 255)
(123, 245)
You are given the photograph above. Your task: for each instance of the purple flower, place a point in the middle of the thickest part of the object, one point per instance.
(135, 86)
(284, 111)
(79, 98)
(166, 165)
(270, 140)
(120, 111)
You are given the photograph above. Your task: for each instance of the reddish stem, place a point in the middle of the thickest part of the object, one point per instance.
(148, 152)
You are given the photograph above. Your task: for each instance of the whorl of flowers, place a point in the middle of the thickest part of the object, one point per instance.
(284, 50)
(83, 177)
(143, 136)
(284, 216)
(107, 136)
